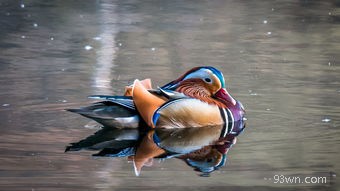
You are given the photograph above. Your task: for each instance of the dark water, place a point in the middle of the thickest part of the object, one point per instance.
(281, 59)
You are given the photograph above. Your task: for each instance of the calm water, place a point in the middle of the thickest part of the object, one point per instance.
(281, 59)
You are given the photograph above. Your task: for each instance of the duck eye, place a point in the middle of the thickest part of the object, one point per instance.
(207, 80)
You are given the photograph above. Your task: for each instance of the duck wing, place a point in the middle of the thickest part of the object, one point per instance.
(116, 114)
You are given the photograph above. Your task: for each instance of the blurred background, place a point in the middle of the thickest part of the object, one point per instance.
(279, 58)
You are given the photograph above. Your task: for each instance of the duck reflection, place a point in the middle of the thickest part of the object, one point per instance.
(202, 148)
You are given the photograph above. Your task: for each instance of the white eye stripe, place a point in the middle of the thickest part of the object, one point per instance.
(203, 74)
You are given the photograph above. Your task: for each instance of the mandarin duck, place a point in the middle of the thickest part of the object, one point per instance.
(198, 98)
(192, 118)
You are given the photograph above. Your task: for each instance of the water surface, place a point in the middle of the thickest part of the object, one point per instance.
(281, 59)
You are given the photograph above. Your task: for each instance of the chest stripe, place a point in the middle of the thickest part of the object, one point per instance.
(228, 120)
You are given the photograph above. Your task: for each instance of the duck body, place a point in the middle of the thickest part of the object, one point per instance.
(192, 118)
(196, 99)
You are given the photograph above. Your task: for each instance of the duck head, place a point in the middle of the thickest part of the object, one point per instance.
(205, 83)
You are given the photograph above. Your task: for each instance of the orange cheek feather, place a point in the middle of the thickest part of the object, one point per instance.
(198, 89)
